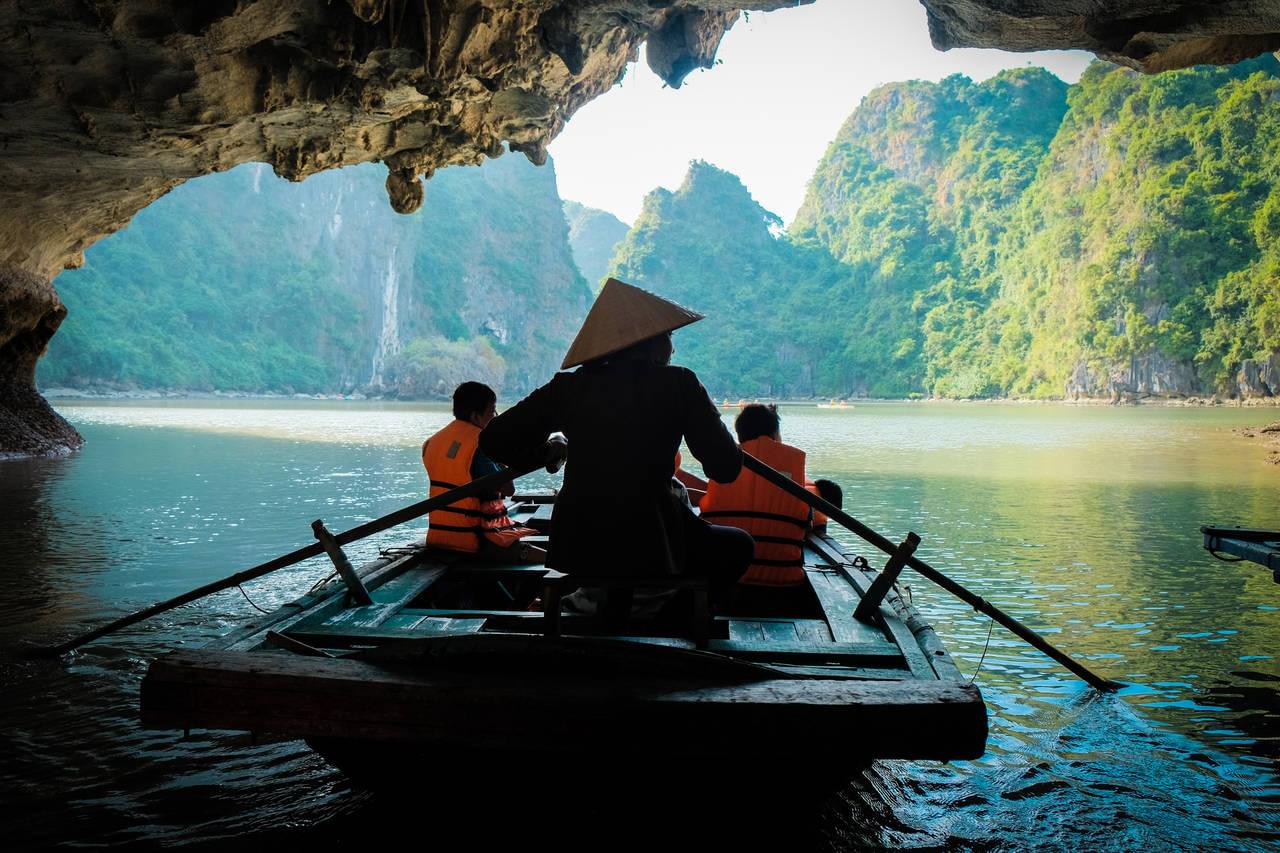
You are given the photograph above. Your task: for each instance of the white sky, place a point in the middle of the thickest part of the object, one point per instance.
(785, 83)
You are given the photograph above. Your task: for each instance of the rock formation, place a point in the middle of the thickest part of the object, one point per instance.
(107, 105)
(30, 312)
(1151, 375)
(1147, 35)
(1259, 378)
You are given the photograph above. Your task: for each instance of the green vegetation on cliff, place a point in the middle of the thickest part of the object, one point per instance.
(1016, 236)
(1011, 237)
(1145, 250)
(245, 282)
(770, 301)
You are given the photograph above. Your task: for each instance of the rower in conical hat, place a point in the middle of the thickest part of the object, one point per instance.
(624, 412)
(624, 315)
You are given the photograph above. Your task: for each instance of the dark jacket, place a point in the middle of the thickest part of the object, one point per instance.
(617, 513)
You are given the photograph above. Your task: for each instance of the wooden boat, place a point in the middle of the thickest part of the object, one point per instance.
(448, 658)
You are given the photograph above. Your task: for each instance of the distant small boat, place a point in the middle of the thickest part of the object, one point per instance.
(835, 404)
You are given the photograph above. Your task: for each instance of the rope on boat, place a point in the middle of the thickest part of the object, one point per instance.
(250, 600)
(1230, 558)
(991, 623)
(324, 580)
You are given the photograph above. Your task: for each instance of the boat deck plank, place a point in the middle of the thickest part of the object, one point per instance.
(840, 589)
(780, 630)
(838, 601)
(318, 604)
(898, 631)
(331, 636)
(883, 655)
(407, 586)
(389, 599)
(839, 672)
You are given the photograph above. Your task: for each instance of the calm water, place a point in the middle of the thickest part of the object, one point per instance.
(1081, 522)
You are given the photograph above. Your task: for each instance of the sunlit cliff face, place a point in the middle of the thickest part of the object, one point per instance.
(107, 105)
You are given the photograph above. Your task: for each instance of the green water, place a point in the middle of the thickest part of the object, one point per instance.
(1081, 522)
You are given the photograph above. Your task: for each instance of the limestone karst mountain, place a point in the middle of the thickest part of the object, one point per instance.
(1010, 237)
(245, 282)
(594, 235)
(783, 319)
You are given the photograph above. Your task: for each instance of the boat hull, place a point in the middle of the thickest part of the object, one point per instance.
(443, 657)
(319, 698)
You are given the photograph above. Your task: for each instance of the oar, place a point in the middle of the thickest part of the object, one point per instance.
(977, 602)
(487, 483)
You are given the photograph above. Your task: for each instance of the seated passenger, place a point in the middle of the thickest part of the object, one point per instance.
(476, 525)
(778, 522)
(830, 492)
(625, 411)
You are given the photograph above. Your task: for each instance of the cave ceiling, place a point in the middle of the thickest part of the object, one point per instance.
(1147, 35)
(105, 105)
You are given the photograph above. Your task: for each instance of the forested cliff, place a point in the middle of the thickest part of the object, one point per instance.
(245, 282)
(1011, 237)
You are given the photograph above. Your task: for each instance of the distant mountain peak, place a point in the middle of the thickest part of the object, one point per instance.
(594, 234)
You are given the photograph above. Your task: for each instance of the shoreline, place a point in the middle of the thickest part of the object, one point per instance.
(1268, 436)
(79, 394)
(170, 394)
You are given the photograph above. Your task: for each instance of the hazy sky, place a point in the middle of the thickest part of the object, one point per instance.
(785, 83)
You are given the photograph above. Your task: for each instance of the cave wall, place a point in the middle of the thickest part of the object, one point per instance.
(30, 313)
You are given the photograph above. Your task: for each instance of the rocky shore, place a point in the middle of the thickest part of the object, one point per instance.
(1268, 436)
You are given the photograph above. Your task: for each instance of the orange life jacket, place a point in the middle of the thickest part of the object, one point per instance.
(818, 518)
(775, 519)
(447, 456)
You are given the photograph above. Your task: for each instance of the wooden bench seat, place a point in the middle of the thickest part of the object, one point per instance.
(621, 592)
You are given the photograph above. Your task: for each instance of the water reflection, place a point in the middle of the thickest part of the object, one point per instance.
(1081, 523)
(40, 531)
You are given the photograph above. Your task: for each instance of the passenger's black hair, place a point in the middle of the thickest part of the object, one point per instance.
(756, 420)
(471, 398)
(830, 492)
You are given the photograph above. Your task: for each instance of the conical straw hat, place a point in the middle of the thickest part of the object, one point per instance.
(621, 316)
